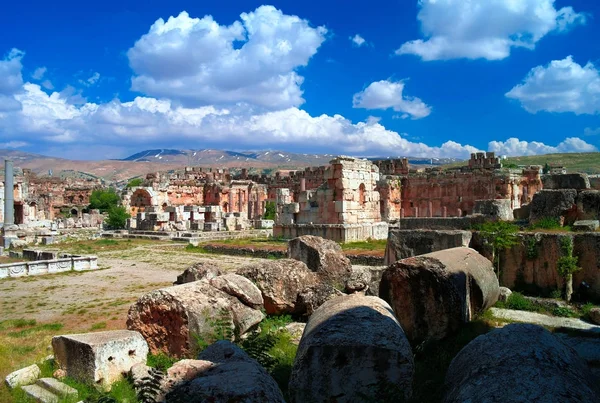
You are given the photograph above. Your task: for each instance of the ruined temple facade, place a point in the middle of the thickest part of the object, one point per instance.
(38, 200)
(195, 199)
(344, 207)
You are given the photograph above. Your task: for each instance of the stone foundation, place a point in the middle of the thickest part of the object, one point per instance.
(21, 269)
(335, 232)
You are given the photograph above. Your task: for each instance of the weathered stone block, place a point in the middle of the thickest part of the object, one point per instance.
(499, 209)
(586, 225)
(99, 358)
(575, 181)
(350, 345)
(434, 294)
(23, 376)
(559, 204)
(519, 363)
(407, 243)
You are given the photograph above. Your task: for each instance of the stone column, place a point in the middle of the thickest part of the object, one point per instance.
(444, 212)
(459, 212)
(416, 212)
(302, 184)
(230, 208)
(401, 213)
(9, 196)
(430, 209)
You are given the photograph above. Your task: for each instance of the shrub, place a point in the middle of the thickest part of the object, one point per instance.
(270, 210)
(104, 199)
(160, 361)
(135, 182)
(546, 223)
(117, 217)
(500, 235)
(518, 302)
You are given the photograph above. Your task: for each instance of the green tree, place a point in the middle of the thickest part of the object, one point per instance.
(104, 199)
(499, 235)
(135, 182)
(270, 210)
(117, 217)
(546, 168)
(566, 265)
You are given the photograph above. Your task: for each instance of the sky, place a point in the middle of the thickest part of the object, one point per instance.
(428, 78)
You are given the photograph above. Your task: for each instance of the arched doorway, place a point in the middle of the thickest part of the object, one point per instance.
(140, 199)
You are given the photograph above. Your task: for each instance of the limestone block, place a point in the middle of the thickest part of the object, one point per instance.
(519, 363)
(407, 243)
(39, 267)
(99, 358)
(434, 294)
(576, 181)
(81, 263)
(23, 376)
(56, 387)
(586, 225)
(499, 209)
(351, 344)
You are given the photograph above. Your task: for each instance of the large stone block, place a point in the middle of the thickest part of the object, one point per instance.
(575, 181)
(407, 243)
(351, 346)
(224, 373)
(519, 363)
(499, 209)
(23, 376)
(434, 294)
(171, 318)
(588, 205)
(559, 204)
(99, 358)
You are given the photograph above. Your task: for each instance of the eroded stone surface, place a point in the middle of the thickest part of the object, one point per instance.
(407, 243)
(350, 345)
(99, 358)
(198, 271)
(240, 287)
(225, 373)
(434, 294)
(519, 362)
(23, 376)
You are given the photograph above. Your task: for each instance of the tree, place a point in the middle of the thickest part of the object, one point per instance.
(566, 265)
(135, 182)
(104, 199)
(270, 210)
(499, 235)
(117, 217)
(546, 169)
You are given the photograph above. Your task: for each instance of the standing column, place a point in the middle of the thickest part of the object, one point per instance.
(230, 208)
(302, 184)
(9, 196)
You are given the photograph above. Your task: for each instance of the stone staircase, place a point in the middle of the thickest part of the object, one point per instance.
(50, 390)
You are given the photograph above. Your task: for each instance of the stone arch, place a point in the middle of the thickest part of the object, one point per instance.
(141, 199)
(74, 212)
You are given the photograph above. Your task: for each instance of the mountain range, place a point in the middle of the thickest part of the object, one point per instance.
(154, 160)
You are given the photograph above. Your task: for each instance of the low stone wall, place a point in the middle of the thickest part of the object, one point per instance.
(336, 232)
(191, 237)
(76, 263)
(531, 264)
(463, 223)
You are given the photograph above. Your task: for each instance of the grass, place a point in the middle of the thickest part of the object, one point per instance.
(160, 361)
(573, 162)
(100, 245)
(548, 223)
(517, 301)
(369, 245)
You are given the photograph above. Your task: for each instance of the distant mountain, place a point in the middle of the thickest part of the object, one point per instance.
(209, 157)
(141, 163)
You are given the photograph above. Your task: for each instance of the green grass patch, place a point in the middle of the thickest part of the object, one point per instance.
(548, 223)
(161, 361)
(16, 323)
(36, 329)
(517, 301)
(98, 326)
(369, 245)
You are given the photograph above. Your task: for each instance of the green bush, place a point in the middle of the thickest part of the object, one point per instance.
(117, 218)
(104, 199)
(270, 210)
(518, 302)
(547, 223)
(160, 361)
(135, 182)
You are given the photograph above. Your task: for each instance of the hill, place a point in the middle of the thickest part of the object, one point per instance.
(574, 162)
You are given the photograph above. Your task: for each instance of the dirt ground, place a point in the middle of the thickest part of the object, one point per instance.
(82, 299)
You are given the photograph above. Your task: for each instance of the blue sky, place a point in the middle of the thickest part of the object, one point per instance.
(435, 78)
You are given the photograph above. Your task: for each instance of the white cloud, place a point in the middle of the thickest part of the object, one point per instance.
(591, 132)
(11, 80)
(93, 79)
(358, 40)
(562, 86)
(13, 144)
(486, 29)
(38, 74)
(386, 94)
(199, 62)
(47, 84)
(516, 147)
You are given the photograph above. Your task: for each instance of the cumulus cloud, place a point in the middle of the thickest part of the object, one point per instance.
(38, 74)
(93, 79)
(13, 144)
(516, 147)
(358, 40)
(387, 94)
(47, 84)
(11, 80)
(200, 62)
(486, 29)
(561, 86)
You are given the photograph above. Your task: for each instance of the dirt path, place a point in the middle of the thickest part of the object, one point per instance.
(81, 300)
